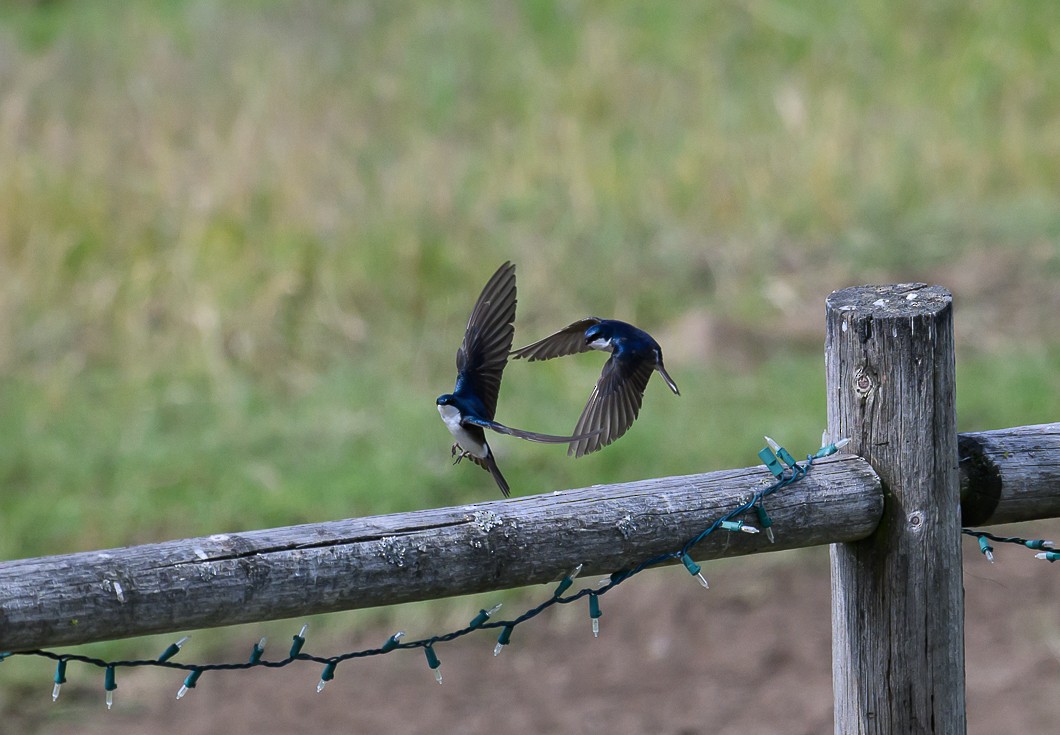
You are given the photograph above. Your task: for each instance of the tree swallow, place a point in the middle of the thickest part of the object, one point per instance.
(480, 361)
(616, 399)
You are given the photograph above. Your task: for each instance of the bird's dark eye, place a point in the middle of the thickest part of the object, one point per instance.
(591, 334)
(443, 400)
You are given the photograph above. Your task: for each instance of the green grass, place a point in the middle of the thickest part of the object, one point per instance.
(239, 242)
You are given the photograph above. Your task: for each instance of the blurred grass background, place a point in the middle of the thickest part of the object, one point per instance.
(239, 241)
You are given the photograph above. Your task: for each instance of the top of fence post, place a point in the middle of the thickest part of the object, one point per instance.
(897, 596)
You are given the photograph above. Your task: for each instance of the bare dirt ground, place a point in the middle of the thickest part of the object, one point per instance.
(749, 656)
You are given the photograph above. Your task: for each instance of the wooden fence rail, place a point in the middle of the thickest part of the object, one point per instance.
(1010, 475)
(363, 562)
(233, 578)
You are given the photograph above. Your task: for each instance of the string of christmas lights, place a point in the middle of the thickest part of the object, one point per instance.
(1044, 548)
(781, 464)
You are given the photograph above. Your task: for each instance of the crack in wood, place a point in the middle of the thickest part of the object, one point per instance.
(251, 553)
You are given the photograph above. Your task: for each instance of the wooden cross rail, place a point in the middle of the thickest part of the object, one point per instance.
(252, 576)
(364, 562)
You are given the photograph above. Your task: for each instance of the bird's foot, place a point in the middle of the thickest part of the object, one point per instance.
(457, 452)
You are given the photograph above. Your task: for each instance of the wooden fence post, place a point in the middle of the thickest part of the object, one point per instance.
(897, 596)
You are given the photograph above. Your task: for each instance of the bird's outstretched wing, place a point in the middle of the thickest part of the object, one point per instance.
(612, 406)
(530, 435)
(488, 338)
(568, 341)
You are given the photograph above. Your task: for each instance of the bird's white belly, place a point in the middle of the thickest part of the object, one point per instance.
(451, 417)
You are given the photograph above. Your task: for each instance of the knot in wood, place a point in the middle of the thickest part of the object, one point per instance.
(863, 382)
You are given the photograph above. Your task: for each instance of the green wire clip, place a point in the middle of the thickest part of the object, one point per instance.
(771, 462)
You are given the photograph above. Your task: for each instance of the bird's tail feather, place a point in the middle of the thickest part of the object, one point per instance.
(533, 435)
(490, 464)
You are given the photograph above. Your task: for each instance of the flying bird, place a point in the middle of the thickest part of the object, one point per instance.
(615, 401)
(480, 361)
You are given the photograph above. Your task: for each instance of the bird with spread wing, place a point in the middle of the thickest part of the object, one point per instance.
(480, 362)
(616, 400)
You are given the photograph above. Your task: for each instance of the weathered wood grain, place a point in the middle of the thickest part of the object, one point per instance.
(897, 596)
(263, 575)
(1010, 475)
